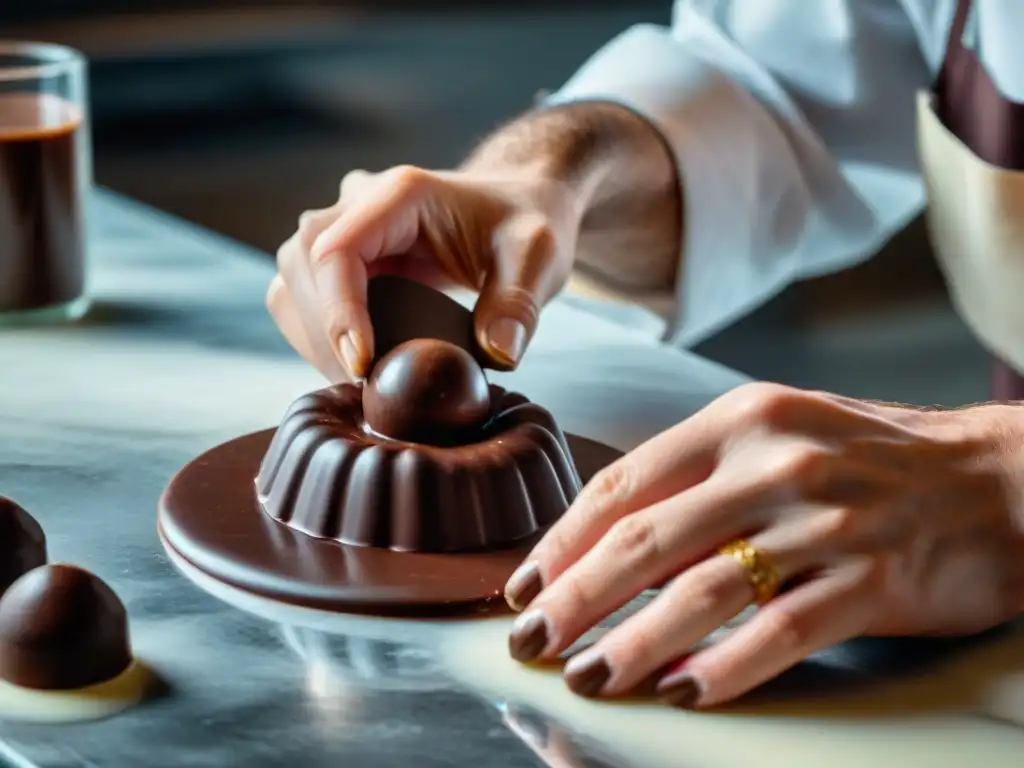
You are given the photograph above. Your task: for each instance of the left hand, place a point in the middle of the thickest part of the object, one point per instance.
(878, 519)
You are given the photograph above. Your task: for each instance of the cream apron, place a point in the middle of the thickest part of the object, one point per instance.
(971, 144)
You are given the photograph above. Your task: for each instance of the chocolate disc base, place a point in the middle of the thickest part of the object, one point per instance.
(94, 702)
(210, 518)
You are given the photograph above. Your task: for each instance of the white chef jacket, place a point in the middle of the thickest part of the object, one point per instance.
(793, 126)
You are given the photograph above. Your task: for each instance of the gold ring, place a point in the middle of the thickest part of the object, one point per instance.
(760, 570)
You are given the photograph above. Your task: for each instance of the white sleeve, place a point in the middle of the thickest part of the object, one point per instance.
(792, 123)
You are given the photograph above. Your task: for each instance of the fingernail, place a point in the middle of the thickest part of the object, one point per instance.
(353, 353)
(506, 338)
(587, 673)
(523, 586)
(681, 691)
(529, 636)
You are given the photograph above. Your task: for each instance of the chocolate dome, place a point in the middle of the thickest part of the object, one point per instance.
(22, 543)
(62, 628)
(427, 391)
(328, 475)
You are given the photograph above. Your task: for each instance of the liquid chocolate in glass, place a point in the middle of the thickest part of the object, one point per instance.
(42, 249)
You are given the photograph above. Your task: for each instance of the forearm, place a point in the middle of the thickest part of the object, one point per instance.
(622, 176)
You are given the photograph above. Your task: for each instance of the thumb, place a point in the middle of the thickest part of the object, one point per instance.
(527, 270)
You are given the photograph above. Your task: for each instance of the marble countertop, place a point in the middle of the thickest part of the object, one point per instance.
(178, 354)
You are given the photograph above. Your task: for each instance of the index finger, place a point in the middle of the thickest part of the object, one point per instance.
(384, 223)
(669, 463)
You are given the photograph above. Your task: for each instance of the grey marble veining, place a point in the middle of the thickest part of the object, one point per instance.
(177, 355)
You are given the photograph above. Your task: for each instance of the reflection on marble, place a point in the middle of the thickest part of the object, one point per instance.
(877, 701)
(850, 707)
(177, 355)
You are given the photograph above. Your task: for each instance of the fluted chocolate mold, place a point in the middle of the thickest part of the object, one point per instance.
(328, 476)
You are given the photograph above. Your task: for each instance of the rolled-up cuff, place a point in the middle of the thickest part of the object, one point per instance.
(743, 198)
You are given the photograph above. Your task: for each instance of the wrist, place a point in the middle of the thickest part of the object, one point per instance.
(991, 436)
(619, 176)
(574, 148)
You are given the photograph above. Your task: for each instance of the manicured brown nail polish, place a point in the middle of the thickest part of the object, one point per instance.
(507, 340)
(682, 691)
(586, 674)
(529, 636)
(523, 586)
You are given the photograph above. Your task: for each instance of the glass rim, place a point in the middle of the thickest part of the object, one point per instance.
(53, 60)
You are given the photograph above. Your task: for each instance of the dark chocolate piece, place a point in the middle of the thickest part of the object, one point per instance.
(22, 543)
(427, 391)
(62, 628)
(402, 310)
(210, 517)
(326, 475)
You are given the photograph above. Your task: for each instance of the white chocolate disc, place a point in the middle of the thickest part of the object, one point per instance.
(94, 702)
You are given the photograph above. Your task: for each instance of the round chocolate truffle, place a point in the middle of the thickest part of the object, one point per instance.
(427, 391)
(22, 543)
(62, 628)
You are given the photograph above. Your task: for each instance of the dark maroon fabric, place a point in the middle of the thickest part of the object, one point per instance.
(992, 127)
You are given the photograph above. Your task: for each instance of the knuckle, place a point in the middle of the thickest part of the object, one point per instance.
(352, 179)
(615, 481)
(766, 404)
(611, 485)
(792, 630)
(634, 536)
(780, 408)
(408, 180)
(806, 466)
(838, 525)
(708, 593)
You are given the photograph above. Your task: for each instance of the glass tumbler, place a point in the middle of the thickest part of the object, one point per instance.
(45, 183)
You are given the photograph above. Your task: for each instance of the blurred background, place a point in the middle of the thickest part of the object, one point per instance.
(239, 115)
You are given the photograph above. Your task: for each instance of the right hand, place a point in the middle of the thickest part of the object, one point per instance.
(509, 236)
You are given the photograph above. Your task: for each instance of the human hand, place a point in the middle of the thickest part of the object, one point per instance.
(877, 520)
(510, 236)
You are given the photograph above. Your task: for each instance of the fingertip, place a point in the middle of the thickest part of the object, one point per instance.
(681, 689)
(349, 356)
(504, 340)
(523, 586)
(356, 350)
